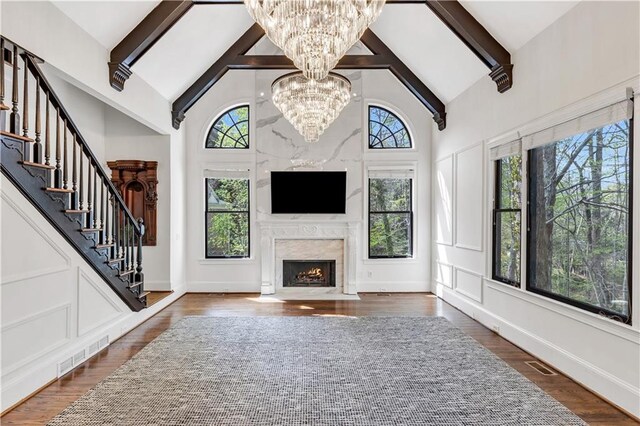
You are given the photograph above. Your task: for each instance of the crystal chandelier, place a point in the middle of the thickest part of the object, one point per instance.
(311, 105)
(314, 34)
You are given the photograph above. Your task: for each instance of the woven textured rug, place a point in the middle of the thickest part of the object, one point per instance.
(315, 371)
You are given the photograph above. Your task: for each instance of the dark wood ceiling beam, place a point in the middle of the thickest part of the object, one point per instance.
(214, 74)
(142, 37)
(476, 38)
(281, 62)
(407, 77)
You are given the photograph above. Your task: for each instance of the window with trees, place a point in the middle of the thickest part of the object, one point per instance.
(507, 219)
(227, 217)
(386, 130)
(390, 214)
(579, 243)
(230, 129)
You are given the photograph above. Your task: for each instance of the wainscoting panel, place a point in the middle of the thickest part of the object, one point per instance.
(443, 200)
(45, 257)
(468, 284)
(96, 307)
(469, 207)
(443, 273)
(34, 336)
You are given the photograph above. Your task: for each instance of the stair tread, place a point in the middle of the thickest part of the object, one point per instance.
(13, 135)
(134, 285)
(116, 260)
(3, 107)
(90, 230)
(76, 211)
(62, 190)
(101, 246)
(127, 272)
(143, 294)
(38, 165)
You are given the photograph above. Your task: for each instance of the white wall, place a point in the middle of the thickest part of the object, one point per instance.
(274, 143)
(593, 47)
(126, 139)
(53, 304)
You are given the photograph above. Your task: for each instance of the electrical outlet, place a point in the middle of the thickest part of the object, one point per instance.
(496, 329)
(369, 274)
(383, 289)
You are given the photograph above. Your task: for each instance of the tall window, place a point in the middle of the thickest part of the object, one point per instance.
(386, 130)
(579, 220)
(507, 219)
(227, 217)
(230, 130)
(390, 216)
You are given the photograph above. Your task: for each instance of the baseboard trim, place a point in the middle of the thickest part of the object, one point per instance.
(587, 375)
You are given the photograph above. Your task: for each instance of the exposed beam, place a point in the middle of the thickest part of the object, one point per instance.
(142, 37)
(214, 74)
(407, 77)
(477, 38)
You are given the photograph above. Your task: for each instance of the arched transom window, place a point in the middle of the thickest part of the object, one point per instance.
(386, 130)
(230, 130)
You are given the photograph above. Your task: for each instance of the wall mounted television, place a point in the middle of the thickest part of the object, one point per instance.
(308, 192)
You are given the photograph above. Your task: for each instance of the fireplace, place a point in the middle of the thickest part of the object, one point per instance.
(309, 273)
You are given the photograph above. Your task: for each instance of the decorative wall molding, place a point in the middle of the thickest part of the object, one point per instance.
(466, 291)
(467, 202)
(443, 273)
(34, 271)
(448, 207)
(66, 308)
(107, 297)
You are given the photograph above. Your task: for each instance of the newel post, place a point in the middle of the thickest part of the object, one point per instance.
(139, 275)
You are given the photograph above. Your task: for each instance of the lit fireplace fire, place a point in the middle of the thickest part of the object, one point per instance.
(312, 275)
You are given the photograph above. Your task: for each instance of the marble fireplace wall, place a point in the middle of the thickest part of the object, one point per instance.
(276, 145)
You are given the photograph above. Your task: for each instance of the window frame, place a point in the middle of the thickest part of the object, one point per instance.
(397, 117)
(495, 256)
(410, 212)
(616, 316)
(219, 117)
(206, 217)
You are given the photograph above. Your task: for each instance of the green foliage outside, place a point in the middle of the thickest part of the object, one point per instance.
(581, 226)
(227, 217)
(386, 130)
(390, 218)
(231, 130)
(508, 222)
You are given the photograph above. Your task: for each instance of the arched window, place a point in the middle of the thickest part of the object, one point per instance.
(230, 130)
(386, 130)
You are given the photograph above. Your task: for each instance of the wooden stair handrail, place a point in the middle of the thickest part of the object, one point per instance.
(55, 101)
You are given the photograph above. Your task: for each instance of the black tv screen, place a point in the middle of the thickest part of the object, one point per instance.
(308, 192)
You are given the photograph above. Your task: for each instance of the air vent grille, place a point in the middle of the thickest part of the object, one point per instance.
(79, 357)
(65, 366)
(104, 342)
(541, 368)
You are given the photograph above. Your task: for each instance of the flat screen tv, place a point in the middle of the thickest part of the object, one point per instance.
(308, 192)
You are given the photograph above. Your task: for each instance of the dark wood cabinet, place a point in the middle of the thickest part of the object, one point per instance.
(137, 182)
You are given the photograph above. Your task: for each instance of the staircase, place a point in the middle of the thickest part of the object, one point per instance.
(47, 159)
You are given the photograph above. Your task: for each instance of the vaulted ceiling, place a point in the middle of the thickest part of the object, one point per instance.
(412, 31)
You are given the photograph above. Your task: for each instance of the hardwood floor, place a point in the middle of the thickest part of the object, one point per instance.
(58, 395)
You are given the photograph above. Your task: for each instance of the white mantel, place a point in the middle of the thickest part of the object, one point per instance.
(270, 231)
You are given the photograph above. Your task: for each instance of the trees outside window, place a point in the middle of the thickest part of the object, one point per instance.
(227, 217)
(386, 130)
(507, 220)
(390, 218)
(579, 220)
(230, 129)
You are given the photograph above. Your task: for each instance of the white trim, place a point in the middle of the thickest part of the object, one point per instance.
(449, 157)
(31, 273)
(457, 244)
(107, 297)
(451, 269)
(408, 124)
(465, 293)
(66, 307)
(592, 377)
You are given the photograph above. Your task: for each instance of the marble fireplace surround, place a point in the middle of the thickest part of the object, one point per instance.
(299, 241)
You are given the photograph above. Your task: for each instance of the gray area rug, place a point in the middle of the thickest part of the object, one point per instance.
(315, 371)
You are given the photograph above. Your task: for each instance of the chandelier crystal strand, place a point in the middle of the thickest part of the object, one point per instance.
(311, 105)
(314, 34)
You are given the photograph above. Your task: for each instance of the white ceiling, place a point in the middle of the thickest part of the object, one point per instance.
(412, 31)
